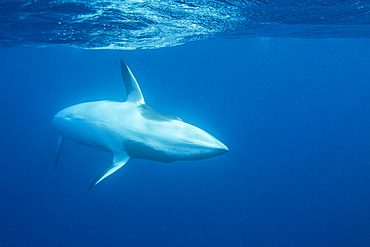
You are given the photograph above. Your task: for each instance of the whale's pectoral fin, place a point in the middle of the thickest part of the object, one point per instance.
(119, 160)
(59, 148)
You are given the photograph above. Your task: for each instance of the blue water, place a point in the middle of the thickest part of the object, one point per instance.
(137, 24)
(295, 114)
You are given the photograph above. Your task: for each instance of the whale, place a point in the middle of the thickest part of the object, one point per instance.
(132, 130)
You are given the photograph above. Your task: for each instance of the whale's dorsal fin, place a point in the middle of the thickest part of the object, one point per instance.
(134, 94)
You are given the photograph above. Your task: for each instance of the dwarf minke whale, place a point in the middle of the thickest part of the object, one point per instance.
(133, 130)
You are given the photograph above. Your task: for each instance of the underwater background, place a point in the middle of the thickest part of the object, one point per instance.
(289, 96)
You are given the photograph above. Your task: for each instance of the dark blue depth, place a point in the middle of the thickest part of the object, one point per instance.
(293, 112)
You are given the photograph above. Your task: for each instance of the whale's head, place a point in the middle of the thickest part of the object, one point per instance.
(196, 143)
(167, 138)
